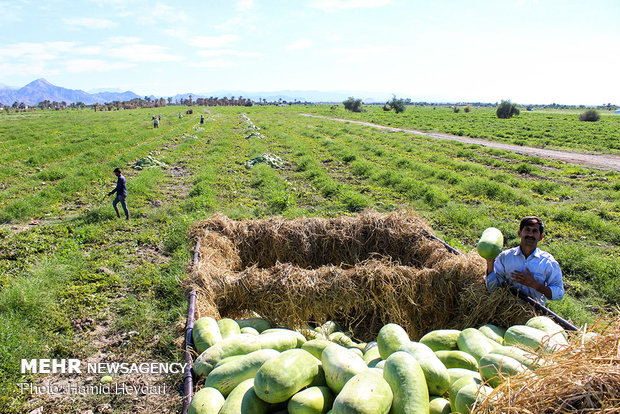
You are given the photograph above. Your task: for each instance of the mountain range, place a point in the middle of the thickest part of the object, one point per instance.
(41, 90)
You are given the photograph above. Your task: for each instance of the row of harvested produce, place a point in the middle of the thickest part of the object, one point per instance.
(250, 367)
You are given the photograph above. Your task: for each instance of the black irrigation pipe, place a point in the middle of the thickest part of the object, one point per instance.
(188, 380)
(561, 321)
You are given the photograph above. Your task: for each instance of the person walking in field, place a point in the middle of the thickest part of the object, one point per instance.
(534, 272)
(202, 119)
(156, 123)
(121, 194)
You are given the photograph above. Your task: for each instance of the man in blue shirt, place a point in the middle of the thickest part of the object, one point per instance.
(121, 193)
(534, 272)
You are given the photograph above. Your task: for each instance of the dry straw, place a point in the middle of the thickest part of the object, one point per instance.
(362, 272)
(583, 378)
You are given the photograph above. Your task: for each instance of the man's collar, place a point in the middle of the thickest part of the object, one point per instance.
(535, 253)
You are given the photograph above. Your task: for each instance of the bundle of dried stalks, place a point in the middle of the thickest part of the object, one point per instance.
(583, 378)
(313, 242)
(362, 272)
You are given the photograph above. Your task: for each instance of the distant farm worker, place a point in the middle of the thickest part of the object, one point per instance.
(202, 119)
(121, 193)
(532, 271)
(156, 123)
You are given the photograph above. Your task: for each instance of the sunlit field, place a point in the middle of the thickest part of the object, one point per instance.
(58, 232)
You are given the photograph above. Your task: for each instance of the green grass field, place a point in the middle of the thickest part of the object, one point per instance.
(81, 268)
(553, 129)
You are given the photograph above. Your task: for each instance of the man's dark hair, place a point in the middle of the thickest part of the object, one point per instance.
(117, 170)
(532, 221)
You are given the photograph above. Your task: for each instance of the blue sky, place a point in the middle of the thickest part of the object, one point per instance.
(529, 51)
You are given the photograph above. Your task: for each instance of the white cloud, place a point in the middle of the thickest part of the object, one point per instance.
(178, 33)
(94, 65)
(300, 44)
(88, 23)
(226, 52)
(163, 12)
(32, 69)
(11, 12)
(108, 3)
(49, 57)
(369, 53)
(333, 5)
(226, 25)
(214, 41)
(525, 3)
(36, 51)
(119, 40)
(244, 5)
(215, 63)
(143, 53)
(89, 50)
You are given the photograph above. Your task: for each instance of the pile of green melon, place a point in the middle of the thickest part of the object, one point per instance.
(249, 367)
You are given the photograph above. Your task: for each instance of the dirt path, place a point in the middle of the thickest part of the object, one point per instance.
(602, 161)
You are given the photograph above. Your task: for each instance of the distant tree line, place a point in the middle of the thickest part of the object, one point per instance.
(148, 102)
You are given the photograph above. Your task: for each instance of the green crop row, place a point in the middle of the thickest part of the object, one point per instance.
(544, 129)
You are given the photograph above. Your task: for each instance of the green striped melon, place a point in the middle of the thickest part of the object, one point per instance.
(278, 339)
(439, 405)
(249, 330)
(545, 323)
(408, 384)
(460, 383)
(226, 377)
(312, 400)
(206, 401)
(239, 344)
(228, 327)
(457, 373)
(372, 357)
(259, 324)
(390, 338)
(340, 365)
(495, 367)
(281, 377)
(365, 393)
(436, 373)
(475, 343)
(493, 332)
(530, 360)
(457, 359)
(243, 399)
(441, 339)
(469, 395)
(316, 346)
(528, 337)
(490, 243)
(205, 333)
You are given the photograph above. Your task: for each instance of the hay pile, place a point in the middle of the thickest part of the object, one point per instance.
(584, 378)
(362, 272)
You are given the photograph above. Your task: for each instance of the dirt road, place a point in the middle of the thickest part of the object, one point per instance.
(601, 161)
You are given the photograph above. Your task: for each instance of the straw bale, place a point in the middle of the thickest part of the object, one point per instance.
(583, 378)
(362, 272)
